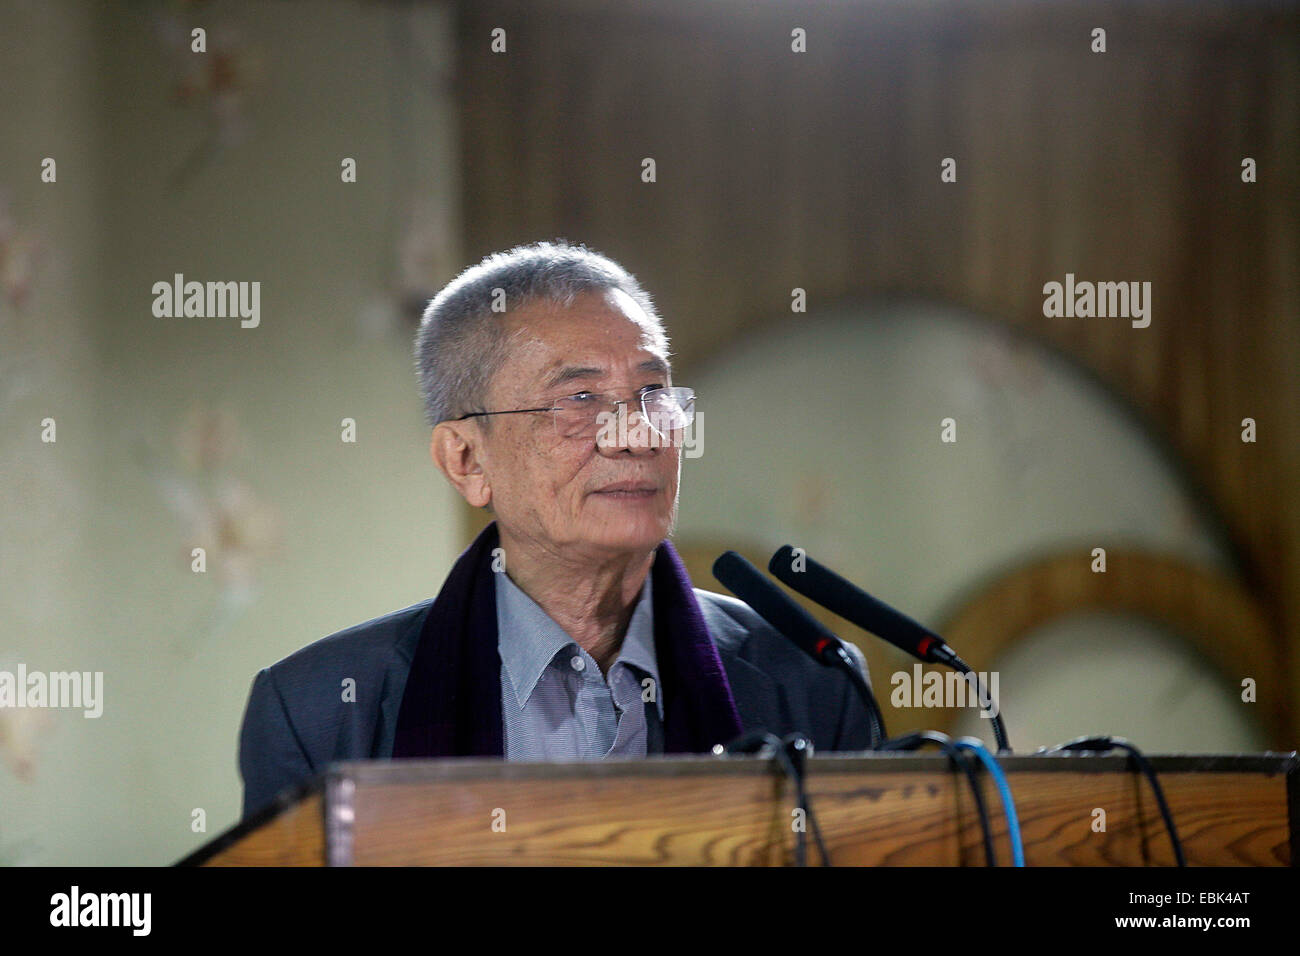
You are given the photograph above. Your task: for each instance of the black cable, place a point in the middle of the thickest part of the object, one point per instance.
(798, 749)
(769, 745)
(874, 716)
(999, 728)
(914, 740)
(1106, 743)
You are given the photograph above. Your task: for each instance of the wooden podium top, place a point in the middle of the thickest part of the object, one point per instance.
(1074, 809)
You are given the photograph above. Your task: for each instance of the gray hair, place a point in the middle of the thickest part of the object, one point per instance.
(462, 343)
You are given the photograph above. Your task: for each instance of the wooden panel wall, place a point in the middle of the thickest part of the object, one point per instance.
(821, 171)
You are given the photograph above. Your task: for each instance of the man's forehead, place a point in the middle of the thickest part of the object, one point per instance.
(555, 345)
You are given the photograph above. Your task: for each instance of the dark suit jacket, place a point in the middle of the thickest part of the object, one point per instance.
(297, 720)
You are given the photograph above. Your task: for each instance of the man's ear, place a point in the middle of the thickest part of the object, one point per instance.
(457, 448)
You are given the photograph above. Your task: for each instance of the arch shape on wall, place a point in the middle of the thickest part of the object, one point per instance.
(1224, 624)
(1220, 619)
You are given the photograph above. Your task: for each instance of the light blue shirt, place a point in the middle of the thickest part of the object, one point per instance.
(556, 704)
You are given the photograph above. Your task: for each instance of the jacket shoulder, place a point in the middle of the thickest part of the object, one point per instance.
(730, 620)
(739, 630)
(375, 642)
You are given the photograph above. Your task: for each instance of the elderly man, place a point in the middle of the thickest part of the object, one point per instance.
(569, 629)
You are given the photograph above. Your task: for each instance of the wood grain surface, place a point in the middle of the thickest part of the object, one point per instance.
(887, 809)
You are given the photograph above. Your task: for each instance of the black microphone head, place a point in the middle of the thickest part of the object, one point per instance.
(726, 562)
(783, 558)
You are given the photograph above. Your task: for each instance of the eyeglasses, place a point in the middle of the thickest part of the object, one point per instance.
(663, 409)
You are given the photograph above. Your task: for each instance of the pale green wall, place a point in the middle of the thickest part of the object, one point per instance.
(367, 528)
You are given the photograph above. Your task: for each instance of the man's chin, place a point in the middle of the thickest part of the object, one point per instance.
(629, 534)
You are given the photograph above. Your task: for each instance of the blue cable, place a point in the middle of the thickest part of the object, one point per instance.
(976, 746)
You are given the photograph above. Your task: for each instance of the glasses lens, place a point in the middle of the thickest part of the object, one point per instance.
(584, 416)
(579, 416)
(669, 409)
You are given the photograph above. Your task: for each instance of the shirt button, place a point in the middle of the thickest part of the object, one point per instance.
(577, 663)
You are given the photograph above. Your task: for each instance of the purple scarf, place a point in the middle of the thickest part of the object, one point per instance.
(451, 706)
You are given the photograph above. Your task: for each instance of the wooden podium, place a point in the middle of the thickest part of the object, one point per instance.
(873, 809)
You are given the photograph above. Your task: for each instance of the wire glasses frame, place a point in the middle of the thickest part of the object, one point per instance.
(663, 408)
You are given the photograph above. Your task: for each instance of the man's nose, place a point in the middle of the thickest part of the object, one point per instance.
(631, 432)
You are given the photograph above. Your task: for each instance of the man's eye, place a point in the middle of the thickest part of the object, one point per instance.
(583, 396)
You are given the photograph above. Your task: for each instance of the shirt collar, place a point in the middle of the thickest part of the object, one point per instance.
(528, 638)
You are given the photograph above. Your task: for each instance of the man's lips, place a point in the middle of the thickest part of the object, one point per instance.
(629, 489)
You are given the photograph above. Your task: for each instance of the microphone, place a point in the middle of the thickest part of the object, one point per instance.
(798, 626)
(819, 583)
(776, 607)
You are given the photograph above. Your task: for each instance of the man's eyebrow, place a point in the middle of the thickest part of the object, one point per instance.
(570, 373)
